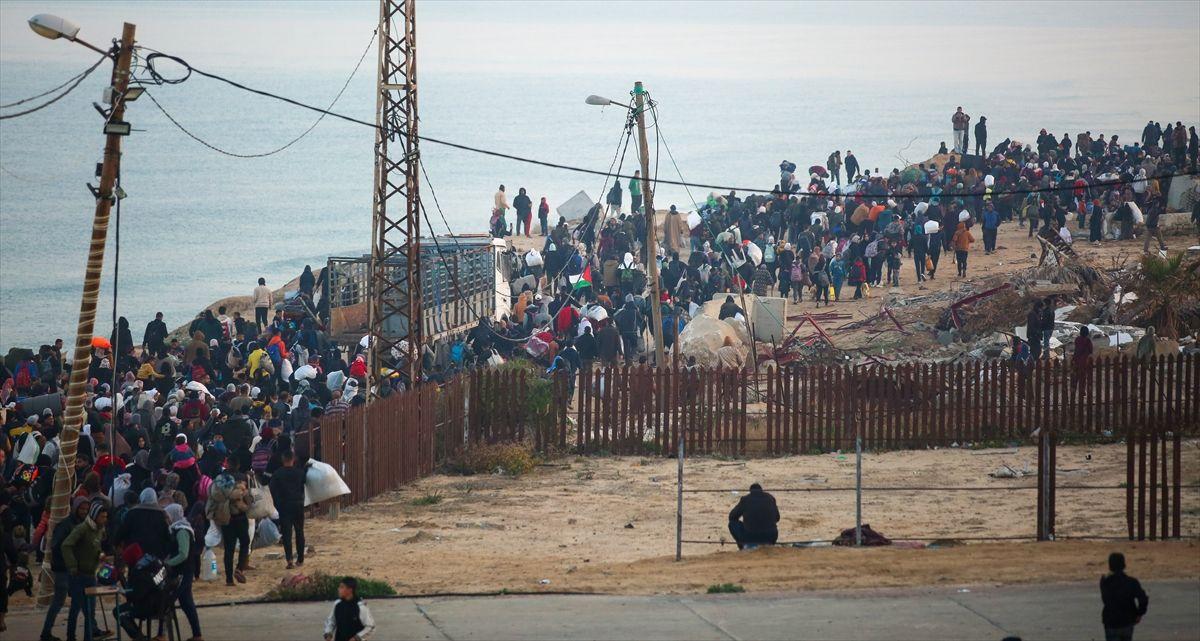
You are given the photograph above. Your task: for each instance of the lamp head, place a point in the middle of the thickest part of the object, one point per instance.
(599, 101)
(53, 27)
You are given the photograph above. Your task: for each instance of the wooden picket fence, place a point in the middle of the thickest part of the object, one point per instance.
(641, 410)
(822, 408)
(794, 410)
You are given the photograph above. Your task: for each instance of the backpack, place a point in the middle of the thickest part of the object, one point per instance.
(797, 272)
(150, 593)
(261, 457)
(25, 374)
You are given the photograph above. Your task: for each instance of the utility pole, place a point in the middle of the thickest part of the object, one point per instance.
(73, 416)
(394, 300)
(639, 109)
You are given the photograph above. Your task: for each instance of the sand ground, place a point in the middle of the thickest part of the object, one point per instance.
(607, 525)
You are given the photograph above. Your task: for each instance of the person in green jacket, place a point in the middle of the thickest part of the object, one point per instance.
(635, 192)
(82, 554)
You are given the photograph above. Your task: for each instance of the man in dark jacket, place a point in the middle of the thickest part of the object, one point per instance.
(1125, 602)
(608, 344)
(237, 433)
(156, 333)
(629, 321)
(729, 309)
(287, 491)
(981, 136)
(754, 518)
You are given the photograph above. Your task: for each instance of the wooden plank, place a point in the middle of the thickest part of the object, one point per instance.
(1130, 454)
(736, 393)
(1177, 484)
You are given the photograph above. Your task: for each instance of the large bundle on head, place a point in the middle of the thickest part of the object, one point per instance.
(704, 337)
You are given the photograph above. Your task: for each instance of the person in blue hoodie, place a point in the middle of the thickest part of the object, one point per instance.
(991, 225)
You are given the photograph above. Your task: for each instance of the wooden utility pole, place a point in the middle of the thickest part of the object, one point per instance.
(639, 109)
(73, 416)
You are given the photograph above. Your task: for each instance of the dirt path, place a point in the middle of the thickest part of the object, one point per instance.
(569, 522)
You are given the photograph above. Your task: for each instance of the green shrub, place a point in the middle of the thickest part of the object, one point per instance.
(428, 499)
(725, 588)
(323, 587)
(512, 459)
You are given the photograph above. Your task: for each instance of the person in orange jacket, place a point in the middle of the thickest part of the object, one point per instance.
(962, 244)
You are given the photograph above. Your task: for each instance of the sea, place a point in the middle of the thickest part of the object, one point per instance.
(197, 225)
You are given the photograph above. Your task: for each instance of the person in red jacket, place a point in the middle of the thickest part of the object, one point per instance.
(858, 276)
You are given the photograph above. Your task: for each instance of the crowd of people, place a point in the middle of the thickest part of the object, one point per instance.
(186, 447)
(183, 435)
(585, 293)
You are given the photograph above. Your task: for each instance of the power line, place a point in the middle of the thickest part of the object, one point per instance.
(83, 73)
(160, 80)
(597, 172)
(76, 82)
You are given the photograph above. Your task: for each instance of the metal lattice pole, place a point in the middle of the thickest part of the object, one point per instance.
(394, 309)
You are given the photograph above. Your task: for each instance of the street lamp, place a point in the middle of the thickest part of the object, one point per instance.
(601, 101)
(53, 27)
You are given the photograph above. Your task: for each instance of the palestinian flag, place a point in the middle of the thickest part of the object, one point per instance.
(582, 280)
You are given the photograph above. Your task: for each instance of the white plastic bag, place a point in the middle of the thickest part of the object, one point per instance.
(208, 565)
(285, 369)
(693, 220)
(29, 450)
(120, 487)
(321, 483)
(266, 535)
(989, 180)
(495, 360)
(263, 506)
(533, 258)
(213, 537)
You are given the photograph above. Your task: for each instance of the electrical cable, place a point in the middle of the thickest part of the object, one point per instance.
(76, 82)
(83, 73)
(160, 80)
(597, 172)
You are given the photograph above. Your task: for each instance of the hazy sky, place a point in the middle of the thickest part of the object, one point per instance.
(1139, 42)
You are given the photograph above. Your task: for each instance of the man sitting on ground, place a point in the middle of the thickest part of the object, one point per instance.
(753, 519)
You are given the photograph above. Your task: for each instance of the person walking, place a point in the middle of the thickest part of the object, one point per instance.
(852, 168)
(228, 501)
(1125, 602)
(933, 245)
(991, 227)
(81, 553)
(962, 246)
(262, 303)
(981, 137)
(1033, 330)
(183, 561)
(287, 491)
(58, 565)
(544, 216)
(755, 518)
(960, 120)
(834, 165)
(635, 192)
(524, 206)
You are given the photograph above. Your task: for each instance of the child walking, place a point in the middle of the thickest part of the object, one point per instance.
(349, 620)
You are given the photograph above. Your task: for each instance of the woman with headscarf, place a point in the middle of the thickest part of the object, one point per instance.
(183, 561)
(146, 526)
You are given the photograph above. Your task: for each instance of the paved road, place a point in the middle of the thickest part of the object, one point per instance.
(1044, 612)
